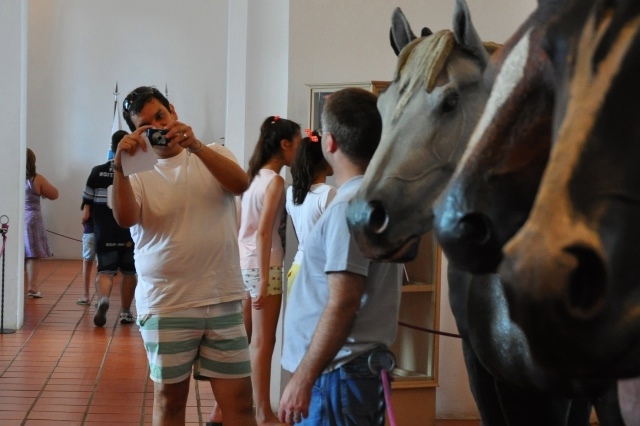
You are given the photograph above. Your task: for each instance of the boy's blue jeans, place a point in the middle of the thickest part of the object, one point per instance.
(350, 395)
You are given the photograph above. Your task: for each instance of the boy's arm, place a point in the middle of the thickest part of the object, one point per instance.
(345, 292)
(86, 212)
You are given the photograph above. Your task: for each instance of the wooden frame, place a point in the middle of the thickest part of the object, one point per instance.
(417, 353)
(319, 92)
(421, 308)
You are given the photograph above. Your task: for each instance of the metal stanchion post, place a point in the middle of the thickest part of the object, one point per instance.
(4, 229)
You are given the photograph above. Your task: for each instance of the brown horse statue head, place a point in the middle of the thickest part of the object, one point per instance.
(492, 190)
(572, 269)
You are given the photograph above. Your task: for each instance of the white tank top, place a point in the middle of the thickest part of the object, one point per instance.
(305, 215)
(251, 208)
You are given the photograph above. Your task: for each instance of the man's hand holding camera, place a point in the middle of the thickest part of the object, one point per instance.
(181, 134)
(174, 133)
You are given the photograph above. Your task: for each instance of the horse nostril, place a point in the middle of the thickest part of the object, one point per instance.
(474, 228)
(587, 285)
(378, 219)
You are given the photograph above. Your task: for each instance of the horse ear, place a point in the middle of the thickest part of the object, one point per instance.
(400, 33)
(465, 33)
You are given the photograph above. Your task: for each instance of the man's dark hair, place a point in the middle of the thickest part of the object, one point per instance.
(351, 116)
(116, 138)
(137, 99)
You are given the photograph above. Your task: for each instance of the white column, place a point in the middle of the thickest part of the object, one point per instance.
(13, 71)
(257, 87)
(235, 122)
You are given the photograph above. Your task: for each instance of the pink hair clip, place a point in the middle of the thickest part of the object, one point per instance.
(310, 135)
(275, 118)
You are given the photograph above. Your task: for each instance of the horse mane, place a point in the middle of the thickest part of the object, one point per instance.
(491, 47)
(420, 62)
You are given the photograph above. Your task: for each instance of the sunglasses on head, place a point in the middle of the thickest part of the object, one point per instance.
(133, 96)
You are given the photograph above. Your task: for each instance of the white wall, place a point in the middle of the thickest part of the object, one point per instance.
(336, 41)
(78, 49)
(13, 29)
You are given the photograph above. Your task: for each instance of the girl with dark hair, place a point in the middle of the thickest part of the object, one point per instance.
(309, 195)
(262, 253)
(36, 245)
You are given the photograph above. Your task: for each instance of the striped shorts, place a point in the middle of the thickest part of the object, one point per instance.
(210, 339)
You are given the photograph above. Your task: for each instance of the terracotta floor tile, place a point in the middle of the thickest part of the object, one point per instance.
(21, 405)
(10, 382)
(44, 405)
(69, 388)
(71, 381)
(110, 402)
(68, 395)
(60, 369)
(11, 415)
(118, 418)
(68, 416)
(63, 401)
(80, 372)
(59, 366)
(9, 393)
(116, 408)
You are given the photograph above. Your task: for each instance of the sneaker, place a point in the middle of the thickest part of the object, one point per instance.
(100, 317)
(126, 317)
(84, 301)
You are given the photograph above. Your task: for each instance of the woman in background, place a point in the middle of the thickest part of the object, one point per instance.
(309, 195)
(36, 245)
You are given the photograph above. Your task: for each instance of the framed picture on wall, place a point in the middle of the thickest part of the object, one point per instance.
(318, 94)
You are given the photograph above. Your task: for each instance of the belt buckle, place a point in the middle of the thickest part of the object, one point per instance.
(381, 359)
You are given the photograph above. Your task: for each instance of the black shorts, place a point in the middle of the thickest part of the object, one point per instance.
(110, 262)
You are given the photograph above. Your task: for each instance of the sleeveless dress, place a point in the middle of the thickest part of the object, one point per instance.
(35, 236)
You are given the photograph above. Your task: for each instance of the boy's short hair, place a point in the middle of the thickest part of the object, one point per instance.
(116, 138)
(351, 116)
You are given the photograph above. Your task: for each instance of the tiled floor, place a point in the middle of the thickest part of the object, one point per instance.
(59, 369)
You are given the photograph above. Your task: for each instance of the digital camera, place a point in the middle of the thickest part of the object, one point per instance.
(157, 137)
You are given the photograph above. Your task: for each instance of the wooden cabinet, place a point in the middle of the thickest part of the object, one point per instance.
(416, 374)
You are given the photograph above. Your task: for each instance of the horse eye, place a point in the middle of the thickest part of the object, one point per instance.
(450, 103)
